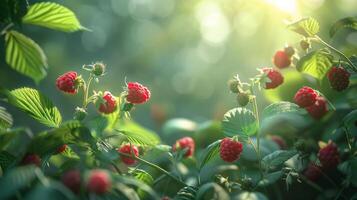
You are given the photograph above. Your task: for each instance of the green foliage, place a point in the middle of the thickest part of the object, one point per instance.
(6, 159)
(53, 16)
(187, 193)
(143, 176)
(307, 27)
(239, 121)
(250, 196)
(16, 179)
(212, 191)
(52, 190)
(270, 178)
(25, 56)
(36, 105)
(316, 63)
(349, 122)
(282, 107)
(348, 22)
(12, 11)
(277, 158)
(5, 119)
(210, 152)
(137, 134)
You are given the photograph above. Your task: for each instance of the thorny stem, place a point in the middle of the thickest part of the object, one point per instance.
(154, 166)
(336, 51)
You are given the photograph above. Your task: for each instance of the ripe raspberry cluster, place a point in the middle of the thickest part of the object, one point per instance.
(309, 99)
(185, 143)
(338, 78)
(230, 149)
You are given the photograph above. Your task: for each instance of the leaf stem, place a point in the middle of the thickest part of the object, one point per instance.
(86, 91)
(336, 51)
(154, 166)
(7, 28)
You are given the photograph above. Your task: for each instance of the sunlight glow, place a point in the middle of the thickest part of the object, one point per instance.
(288, 6)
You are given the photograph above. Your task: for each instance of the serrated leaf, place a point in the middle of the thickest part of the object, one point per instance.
(270, 178)
(5, 119)
(209, 153)
(11, 138)
(307, 27)
(250, 196)
(6, 159)
(137, 134)
(143, 176)
(277, 158)
(25, 56)
(239, 121)
(349, 122)
(186, 193)
(212, 191)
(316, 63)
(348, 22)
(282, 107)
(53, 16)
(16, 179)
(36, 105)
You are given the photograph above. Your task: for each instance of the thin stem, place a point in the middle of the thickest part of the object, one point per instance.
(7, 28)
(259, 157)
(338, 52)
(116, 167)
(154, 166)
(86, 91)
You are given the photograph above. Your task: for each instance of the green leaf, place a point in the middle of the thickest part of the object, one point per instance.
(137, 134)
(7, 136)
(6, 159)
(250, 196)
(239, 121)
(187, 193)
(209, 153)
(143, 176)
(349, 122)
(16, 179)
(54, 191)
(212, 191)
(316, 63)
(271, 178)
(12, 11)
(348, 22)
(139, 184)
(277, 158)
(53, 16)
(5, 119)
(25, 56)
(307, 27)
(36, 105)
(282, 107)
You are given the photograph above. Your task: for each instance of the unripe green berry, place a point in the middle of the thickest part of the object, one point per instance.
(247, 184)
(305, 44)
(289, 50)
(80, 114)
(243, 99)
(98, 69)
(233, 85)
(127, 106)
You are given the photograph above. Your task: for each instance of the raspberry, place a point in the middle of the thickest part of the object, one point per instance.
(31, 159)
(99, 181)
(243, 99)
(329, 156)
(98, 69)
(280, 141)
(318, 109)
(185, 143)
(305, 97)
(275, 77)
(137, 93)
(289, 50)
(338, 78)
(230, 149)
(312, 172)
(109, 103)
(281, 59)
(72, 180)
(68, 82)
(61, 149)
(126, 149)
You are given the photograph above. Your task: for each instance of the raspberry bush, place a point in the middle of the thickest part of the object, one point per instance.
(304, 142)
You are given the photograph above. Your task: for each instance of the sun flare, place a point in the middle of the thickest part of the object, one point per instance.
(288, 6)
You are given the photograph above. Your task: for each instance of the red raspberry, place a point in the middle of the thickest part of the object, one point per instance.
(312, 172)
(128, 150)
(99, 181)
(31, 159)
(185, 143)
(339, 78)
(318, 109)
(329, 156)
(137, 93)
(281, 59)
(67, 82)
(109, 103)
(61, 149)
(275, 77)
(280, 141)
(72, 180)
(305, 97)
(230, 149)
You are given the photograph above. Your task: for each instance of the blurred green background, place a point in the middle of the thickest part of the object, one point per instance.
(183, 50)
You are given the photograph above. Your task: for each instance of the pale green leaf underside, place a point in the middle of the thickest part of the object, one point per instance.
(53, 16)
(307, 27)
(316, 63)
(36, 105)
(239, 121)
(5, 119)
(25, 56)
